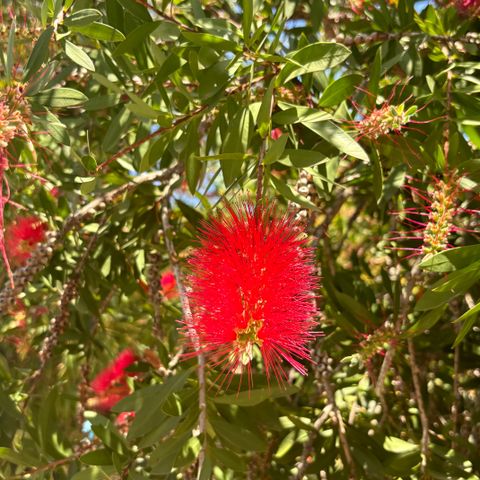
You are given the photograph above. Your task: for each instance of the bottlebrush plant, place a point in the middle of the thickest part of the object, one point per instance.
(243, 240)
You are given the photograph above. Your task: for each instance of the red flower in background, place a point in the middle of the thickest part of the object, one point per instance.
(114, 372)
(251, 288)
(276, 133)
(169, 285)
(110, 384)
(22, 236)
(468, 6)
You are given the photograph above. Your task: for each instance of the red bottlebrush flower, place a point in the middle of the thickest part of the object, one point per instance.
(115, 372)
(106, 400)
(169, 285)
(124, 418)
(276, 133)
(251, 288)
(468, 6)
(22, 236)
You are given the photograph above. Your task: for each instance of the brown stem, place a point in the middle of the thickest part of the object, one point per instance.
(421, 406)
(260, 172)
(160, 13)
(399, 323)
(202, 394)
(160, 131)
(337, 418)
(57, 463)
(302, 464)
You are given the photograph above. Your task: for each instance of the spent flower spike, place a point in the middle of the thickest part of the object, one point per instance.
(251, 290)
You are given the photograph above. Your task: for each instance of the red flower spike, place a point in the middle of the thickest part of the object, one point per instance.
(115, 372)
(251, 289)
(21, 238)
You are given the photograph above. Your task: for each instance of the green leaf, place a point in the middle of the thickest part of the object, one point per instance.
(116, 129)
(88, 186)
(148, 403)
(303, 158)
(247, 17)
(374, 79)
(137, 9)
(136, 38)
(338, 138)
(39, 54)
(81, 18)
(254, 397)
(93, 473)
(312, 58)
(397, 445)
(287, 192)
(339, 90)
(10, 51)
(89, 162)
(355, 308)
(298, 114)
(100, 31)
(454, 284)
(102, 456)
(60, 98)
(142, 109)
(192, 215)
(451, 259)
(154, 152)
(426, 321)
(227, 458)
(212, 41)
(55, 128)
(78, 56)
(276, 149)
(171, 64)
(165, 427)
(237, 436)
(18, 458)
(265, 111)
(224, 156)
(236, 140)
(469, 318)
(163, 457)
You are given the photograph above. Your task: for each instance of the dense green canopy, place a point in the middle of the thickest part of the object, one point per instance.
(125, 124)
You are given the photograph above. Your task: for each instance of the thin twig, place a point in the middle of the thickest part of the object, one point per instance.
(336, 416)
(202, 395)
(421, 406)
(302, 464)
(160, 13)
(399, 323)
(260, 172)
(57, 463)
(456, 391)
(156, 133)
